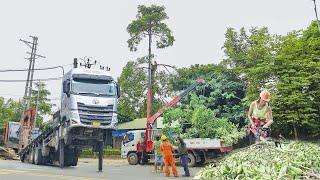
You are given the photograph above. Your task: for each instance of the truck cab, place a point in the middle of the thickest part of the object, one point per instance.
(88, 104)
(130, 141)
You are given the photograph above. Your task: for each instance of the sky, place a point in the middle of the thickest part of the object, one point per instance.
(97, 29)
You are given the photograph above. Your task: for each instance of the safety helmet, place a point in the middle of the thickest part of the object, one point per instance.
(163, 137)
(265, 95)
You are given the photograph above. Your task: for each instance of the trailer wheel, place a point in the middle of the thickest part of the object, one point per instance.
(31, 156)
(75, 160)
(133, 158)
(37, 156)
(191, 160)
(23, 158)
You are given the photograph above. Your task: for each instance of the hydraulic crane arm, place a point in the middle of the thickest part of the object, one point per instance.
(173, 102)
(152, 119)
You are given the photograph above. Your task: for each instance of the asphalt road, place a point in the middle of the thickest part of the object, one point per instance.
(86, 170)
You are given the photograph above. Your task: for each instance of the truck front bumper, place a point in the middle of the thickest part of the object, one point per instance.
(87, 136)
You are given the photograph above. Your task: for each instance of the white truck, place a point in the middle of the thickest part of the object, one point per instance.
(200, 150)
(86, 118)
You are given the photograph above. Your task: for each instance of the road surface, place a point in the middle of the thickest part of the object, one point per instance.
(86, 170)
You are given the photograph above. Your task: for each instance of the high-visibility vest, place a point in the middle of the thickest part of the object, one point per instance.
(260, 114)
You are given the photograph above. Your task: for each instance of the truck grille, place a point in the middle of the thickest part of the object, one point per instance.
(89, 113)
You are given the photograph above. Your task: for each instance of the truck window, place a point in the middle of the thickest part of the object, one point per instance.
(128, 137)
(94, 87)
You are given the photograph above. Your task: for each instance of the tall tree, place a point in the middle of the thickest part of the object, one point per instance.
(40, 101)
(252, 57)
(133, 84)
(150, 23)
(287, 65)
(297, 92)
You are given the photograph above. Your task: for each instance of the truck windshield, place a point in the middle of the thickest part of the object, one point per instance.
(93, 87)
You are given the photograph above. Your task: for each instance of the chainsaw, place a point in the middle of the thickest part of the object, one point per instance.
(260, 133)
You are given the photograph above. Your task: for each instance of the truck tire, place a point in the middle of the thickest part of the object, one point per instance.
(31, 156)
(23, 158)
(38, 156)
(68, 160)
(75, 161)
(191, 160)
(133, 158)
(201, 162)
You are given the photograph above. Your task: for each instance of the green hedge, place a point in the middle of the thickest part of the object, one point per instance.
(107, 152)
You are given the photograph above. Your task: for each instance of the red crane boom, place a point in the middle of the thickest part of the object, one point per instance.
(152, 119)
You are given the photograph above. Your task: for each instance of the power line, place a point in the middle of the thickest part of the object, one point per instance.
(21, 80)
(37, 69)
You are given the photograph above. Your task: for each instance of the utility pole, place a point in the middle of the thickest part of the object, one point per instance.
(37, 104)
(27, 121)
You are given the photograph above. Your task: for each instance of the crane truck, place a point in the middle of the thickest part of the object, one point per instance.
(86, 118)
(199, 149)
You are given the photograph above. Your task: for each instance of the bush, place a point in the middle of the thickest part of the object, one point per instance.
(107, 152)
(295, 160)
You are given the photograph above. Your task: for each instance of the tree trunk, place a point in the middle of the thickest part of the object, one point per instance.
(149, 96)
(295, 132)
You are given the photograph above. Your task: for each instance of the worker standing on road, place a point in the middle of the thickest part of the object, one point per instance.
(260, 116)
(140, 150)
(158, 155)
(167, 153)
(183, 153)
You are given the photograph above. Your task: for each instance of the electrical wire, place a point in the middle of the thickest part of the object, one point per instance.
(37, 69)
(20, 80)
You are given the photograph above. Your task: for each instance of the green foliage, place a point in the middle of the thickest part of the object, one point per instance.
(10, 110)
(39, 97)
(298, 88)
(202, 124)
(223, 91)
(149, 22)
(251, 56)
(288, 66)
(107, 152)
(296, 160)
(133, 84)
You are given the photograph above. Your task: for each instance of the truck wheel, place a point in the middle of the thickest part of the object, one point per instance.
(37, 156)
(23, 158)
(31, 156)
(201, 162)
(191, 160)
(75, 160)
(133, 158)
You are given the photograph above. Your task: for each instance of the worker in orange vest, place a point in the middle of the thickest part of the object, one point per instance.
(167, 153)
(260, 116)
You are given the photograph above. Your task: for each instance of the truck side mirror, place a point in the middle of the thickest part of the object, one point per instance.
(118, 90)
(66, 88)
